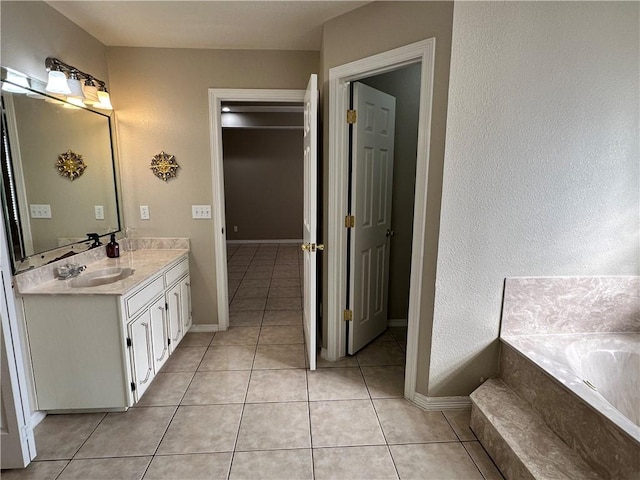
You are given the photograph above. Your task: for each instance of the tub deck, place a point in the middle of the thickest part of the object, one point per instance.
(550, 353)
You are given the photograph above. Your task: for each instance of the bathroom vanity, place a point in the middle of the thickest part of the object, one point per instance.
(100, 346)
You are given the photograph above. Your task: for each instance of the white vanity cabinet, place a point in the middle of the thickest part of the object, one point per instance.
(156, 327)
(101, 351)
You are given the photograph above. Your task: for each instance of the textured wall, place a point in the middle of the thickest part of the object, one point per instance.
(161, 101)
(541, 168)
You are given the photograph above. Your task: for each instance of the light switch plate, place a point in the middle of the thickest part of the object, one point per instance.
(200, 211)
(99, 212)
(40, 211)
(144, 212)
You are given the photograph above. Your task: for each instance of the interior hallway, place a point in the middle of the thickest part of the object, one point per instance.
(240, 404)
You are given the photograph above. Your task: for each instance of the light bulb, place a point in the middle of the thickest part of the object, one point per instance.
(58, 83)
(105, 101)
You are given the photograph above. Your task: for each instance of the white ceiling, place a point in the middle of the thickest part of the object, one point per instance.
(265, 25)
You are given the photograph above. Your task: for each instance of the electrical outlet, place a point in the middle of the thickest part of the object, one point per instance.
(99, 212)
(144, 212)
(40, 211)
(235, 228)
(200, 211)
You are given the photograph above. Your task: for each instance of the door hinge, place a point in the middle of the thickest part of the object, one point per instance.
(350, 221)
(168, 341)
(166, 306)
(348, 315)
(128, 342)
(352, 115)
(133, 386)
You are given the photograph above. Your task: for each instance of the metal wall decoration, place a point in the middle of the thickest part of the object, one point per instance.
(70, 165)
(164, 166)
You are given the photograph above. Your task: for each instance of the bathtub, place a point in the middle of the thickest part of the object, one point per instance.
(584, 386)
(610, 366)
(602, 369)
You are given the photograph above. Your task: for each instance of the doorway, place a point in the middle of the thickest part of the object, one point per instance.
(340, 79)
(216, 99)
(380, 244)
(309, 99)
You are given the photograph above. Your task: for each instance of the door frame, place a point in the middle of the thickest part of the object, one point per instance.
(339, 79)
(19, 421)
(216, 97)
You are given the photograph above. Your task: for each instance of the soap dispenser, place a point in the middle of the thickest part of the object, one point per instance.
(113, 249)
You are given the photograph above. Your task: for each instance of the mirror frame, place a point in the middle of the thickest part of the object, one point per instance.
(38, 259)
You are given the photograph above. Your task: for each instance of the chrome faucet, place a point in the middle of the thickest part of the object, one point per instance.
(70, 270)
(95, 238)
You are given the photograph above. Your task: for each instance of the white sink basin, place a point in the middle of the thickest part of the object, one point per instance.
(101, 277)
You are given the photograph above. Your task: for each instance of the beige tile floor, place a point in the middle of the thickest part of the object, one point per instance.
(241, 405)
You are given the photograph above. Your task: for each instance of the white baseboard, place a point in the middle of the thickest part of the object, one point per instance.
(286, 240)
(441, 403)
(397, 322)
(36, 418)
(204, 328)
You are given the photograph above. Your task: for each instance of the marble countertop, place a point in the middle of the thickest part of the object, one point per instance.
(145, 263)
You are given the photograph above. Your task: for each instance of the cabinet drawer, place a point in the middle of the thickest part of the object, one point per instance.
(176, 272)
(139, 299)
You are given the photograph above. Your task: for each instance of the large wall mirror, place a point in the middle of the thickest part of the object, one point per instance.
(59, 174)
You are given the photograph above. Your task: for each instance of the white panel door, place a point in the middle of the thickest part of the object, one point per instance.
(310, 216)
(372, 169)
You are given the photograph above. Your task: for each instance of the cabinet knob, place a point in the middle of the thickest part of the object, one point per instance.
(187, 284)
(160, 307)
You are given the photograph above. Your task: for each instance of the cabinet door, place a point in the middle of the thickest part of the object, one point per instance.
(141, 353)
(159, 334)
(185, 297)
(175, 321)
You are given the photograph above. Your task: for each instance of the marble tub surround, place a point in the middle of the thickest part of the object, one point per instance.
(556, 356)
(29, 280)
(550, 327)
(539, 305)
(519, 441)
(144, 262)
(545, 381)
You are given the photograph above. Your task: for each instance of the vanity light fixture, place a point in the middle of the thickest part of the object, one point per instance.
(90, 91)
(17, 84)
(78, 86)
(75, 86)
(58, 83)
(226, 109)
(104, 99)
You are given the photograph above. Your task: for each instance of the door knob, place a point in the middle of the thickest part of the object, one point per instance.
(311, 247)
(390, 233)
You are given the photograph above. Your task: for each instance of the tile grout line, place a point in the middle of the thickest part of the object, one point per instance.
(81, 445)
(153, 456)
